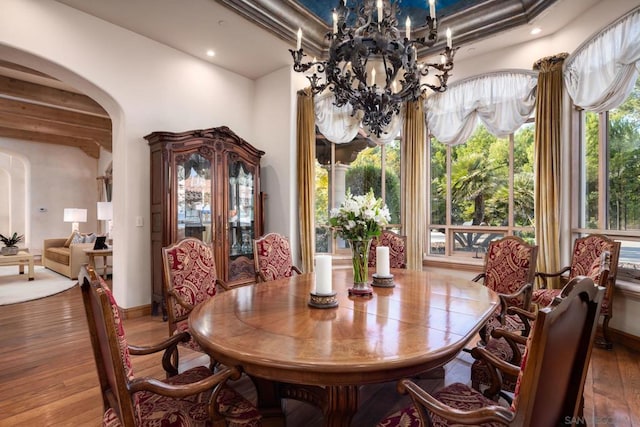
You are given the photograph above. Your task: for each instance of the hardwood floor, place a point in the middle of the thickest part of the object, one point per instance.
(47, 374)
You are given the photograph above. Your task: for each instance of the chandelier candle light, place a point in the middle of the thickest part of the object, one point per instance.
(371, 67)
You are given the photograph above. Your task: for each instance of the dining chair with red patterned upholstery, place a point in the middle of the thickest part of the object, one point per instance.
(586, 260)
(550, 378)
(272, 255)
(195, 397)
(397, 249)
(509, 270)
(190, 278)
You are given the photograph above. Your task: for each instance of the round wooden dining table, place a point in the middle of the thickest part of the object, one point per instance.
(293, 350)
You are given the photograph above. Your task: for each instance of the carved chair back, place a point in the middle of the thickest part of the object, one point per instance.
(190, 278)
(397, 249)
(586, 261)
(510, 263)
(272, 255)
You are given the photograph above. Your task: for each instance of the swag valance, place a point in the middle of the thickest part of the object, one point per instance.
(601, 73)
(502, 100)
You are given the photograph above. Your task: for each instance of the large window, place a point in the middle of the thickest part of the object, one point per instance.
(480, 191)
(356, 167)
(609, 197)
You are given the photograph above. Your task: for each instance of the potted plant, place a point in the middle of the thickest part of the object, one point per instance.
(10, 243)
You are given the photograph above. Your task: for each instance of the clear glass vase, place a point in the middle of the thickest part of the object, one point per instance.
(360, 259)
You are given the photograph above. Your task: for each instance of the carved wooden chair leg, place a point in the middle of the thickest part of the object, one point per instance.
(606, 339)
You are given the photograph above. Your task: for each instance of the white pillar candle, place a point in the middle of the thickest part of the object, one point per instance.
(382, 261)
(335, 23)
(379, 10)
(299, 41)
(323, 274)
(408, 28)
(432, 9)
(449, 43)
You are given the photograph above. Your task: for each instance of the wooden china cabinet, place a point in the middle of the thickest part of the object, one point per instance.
(205, 184)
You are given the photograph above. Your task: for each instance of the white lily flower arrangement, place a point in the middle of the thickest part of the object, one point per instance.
(360, 217)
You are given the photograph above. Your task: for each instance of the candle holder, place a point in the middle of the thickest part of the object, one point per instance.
(323, 300)
(383, 281)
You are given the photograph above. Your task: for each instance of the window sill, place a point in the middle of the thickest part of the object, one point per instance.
(457, 263)
(628, 289)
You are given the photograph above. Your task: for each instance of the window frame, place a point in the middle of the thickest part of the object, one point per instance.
(577, 199)
(450, 255)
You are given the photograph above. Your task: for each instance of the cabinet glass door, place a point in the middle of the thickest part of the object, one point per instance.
(193, 176)
(241, 220)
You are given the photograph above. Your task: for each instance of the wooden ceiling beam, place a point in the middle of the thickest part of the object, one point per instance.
(32, 124)
(31, 110)
(59, 115)
(51, 96)
(90, 147)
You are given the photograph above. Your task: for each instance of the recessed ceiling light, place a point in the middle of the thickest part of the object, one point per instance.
(211, 53)
(535, 31)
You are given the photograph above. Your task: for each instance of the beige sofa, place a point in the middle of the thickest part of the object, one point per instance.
(65, 260)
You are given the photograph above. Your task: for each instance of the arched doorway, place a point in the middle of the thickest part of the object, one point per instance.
(37, 105)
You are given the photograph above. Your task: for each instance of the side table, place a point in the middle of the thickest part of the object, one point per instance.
(104, 253)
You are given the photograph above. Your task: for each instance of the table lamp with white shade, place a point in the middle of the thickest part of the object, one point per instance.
(75, 216)
(105, 213)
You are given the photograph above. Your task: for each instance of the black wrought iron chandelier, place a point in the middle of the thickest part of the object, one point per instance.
(372, 66)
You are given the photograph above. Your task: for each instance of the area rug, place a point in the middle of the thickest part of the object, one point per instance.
(16, 287)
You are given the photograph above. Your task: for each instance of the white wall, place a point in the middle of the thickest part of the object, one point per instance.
(278, 172)
(145, 87)
(275, 126)
(626, 309)
(57, 177)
